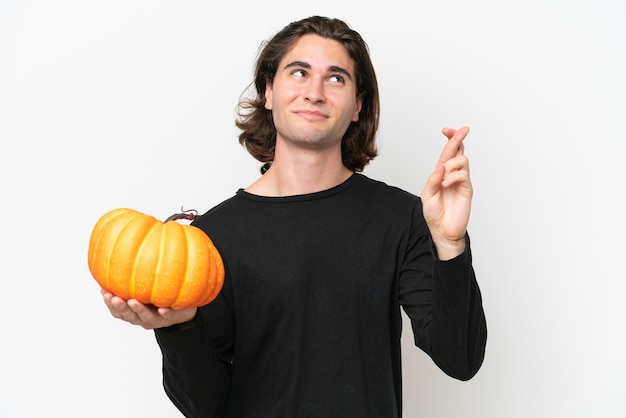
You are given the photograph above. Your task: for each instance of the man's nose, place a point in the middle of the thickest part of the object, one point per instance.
(315, 91)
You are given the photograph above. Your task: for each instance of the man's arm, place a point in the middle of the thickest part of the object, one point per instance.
(193, 378)
(444, 304)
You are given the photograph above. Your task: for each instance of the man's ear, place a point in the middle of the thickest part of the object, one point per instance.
(357, 109)
(268, 95)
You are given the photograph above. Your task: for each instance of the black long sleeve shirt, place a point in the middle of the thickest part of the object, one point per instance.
(308, 322)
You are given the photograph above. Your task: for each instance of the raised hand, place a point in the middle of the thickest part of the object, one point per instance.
(447, 196)
(148, 317)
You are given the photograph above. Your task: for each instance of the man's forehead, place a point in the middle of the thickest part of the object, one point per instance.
(315, 50)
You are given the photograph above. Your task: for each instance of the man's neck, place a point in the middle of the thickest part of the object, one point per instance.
(309, 174)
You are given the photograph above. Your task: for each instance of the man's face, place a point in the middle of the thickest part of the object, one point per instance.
(313, 96)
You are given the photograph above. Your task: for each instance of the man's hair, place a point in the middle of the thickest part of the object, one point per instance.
(258, 136)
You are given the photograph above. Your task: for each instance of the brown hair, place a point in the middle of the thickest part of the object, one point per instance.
(258, 136)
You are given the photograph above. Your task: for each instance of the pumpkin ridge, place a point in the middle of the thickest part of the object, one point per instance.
(170, 231)
(96, 265)
(206, 296)
(218, 263)
(157, 268)
(96, 237)
(114, 243)
(187, 269)
(126, 234)
(142, 246)
(216, 273)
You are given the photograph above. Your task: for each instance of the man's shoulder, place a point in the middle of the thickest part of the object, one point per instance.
(379, 189)
(222, 209)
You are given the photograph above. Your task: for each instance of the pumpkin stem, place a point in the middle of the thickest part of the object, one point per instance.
(189, 214)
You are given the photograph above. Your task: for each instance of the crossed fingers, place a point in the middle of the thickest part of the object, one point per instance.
(452, 156)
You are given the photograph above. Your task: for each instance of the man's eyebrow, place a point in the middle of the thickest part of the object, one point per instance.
(301, 64)
(332, 68)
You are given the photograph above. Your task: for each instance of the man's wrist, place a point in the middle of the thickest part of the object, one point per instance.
(447, 250)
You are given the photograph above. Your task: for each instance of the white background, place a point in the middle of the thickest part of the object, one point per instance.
(131, 103)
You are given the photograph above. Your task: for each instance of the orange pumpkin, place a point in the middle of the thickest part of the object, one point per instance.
(166, 264)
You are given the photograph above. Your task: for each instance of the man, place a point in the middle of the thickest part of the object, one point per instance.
(319, 258)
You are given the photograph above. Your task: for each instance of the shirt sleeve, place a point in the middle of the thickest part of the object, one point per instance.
(443, 301)
(196, 370)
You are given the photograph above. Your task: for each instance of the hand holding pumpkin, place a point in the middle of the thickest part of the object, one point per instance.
(146, 316)
(164, 264)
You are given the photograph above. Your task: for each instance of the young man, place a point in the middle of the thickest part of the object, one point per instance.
(319, 258)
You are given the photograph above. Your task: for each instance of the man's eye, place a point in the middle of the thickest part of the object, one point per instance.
(336, 79)
(298, 73)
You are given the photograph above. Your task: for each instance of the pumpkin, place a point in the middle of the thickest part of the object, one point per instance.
(166, 264)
